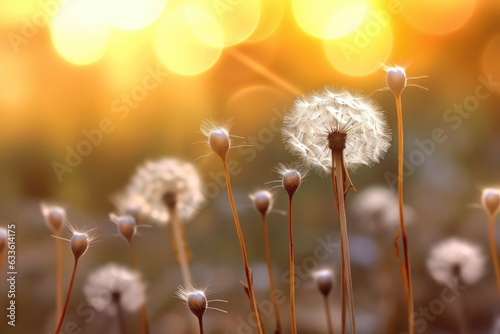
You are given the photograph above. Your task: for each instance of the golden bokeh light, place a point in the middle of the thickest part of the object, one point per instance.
(438, 17)
(271, 15)
(362, 52)
(490, 59)
(238, 19)
(80, 32)
(178, 44)
(134, 14)
(326, 19)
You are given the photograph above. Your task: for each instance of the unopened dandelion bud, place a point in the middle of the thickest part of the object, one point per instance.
(55, 217)
(3, 238)
(291, 181)
(197, 303)
(490, 200)
(262, 201)
(126, 225)
(324, 281)
(79, 244)
(396, 79)
(220, 142)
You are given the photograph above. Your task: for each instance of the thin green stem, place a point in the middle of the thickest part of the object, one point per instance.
(493, 247)
(68, 295)
(271, 275)
(328, 315)
(292, 267)
(406, 272)
(248, 272)
(144, 307)
(338, 183)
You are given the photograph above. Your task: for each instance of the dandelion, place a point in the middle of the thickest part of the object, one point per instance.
(332, 131)
(263, 203)
(79, 244)
(167, 190)
(197, 302)
(220, 142)
(377, 207)
(324, 281)
(55, 219)
(291, 179)
(396, 82)
(490, 200)
(452, 262)
(127, 228)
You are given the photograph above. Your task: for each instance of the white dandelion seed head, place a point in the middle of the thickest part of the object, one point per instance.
(54, 217)
(313, 117)
(453, 259)
(377, 207)
(156, 182)
(111, 285)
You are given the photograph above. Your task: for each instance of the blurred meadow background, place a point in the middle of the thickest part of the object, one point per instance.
(138, 77)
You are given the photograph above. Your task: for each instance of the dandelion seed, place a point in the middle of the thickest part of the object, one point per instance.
(335, 119)
(262, 201)
(197, 302)
(377, 207)
(126, 226)
(454, 261)
(324, 281)
(217, 137)
(54, 216)
(490, 200)
(156, 181)
(396, 79)
(3, 239)
(112, 286)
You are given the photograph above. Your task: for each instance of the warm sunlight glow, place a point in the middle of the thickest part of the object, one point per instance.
(438, 17)
(271, 16)
(179, 46)
(237, 19)
(134, 14)
(363, 51)
(491, 55)
(80, 33)
(328, 19)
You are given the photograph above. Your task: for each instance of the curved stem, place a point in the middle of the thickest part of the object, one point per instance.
(328, 315)
(494, 252)
(338, 183)
(248, 272)
(68, 295)
(200, 324)
(406, 272)
(292, 267)
(271, 275)
(144, 307)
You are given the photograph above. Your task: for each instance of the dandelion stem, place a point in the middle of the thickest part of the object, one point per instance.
(338, 178)
(493, 246)
(59, 277)
(271, 275)
(68, 295)
(406, 272)
(120, 318)
(144, 307)
(248, 272)
(200, 324)
(292, 266)
(328, 315)
(181, 247)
